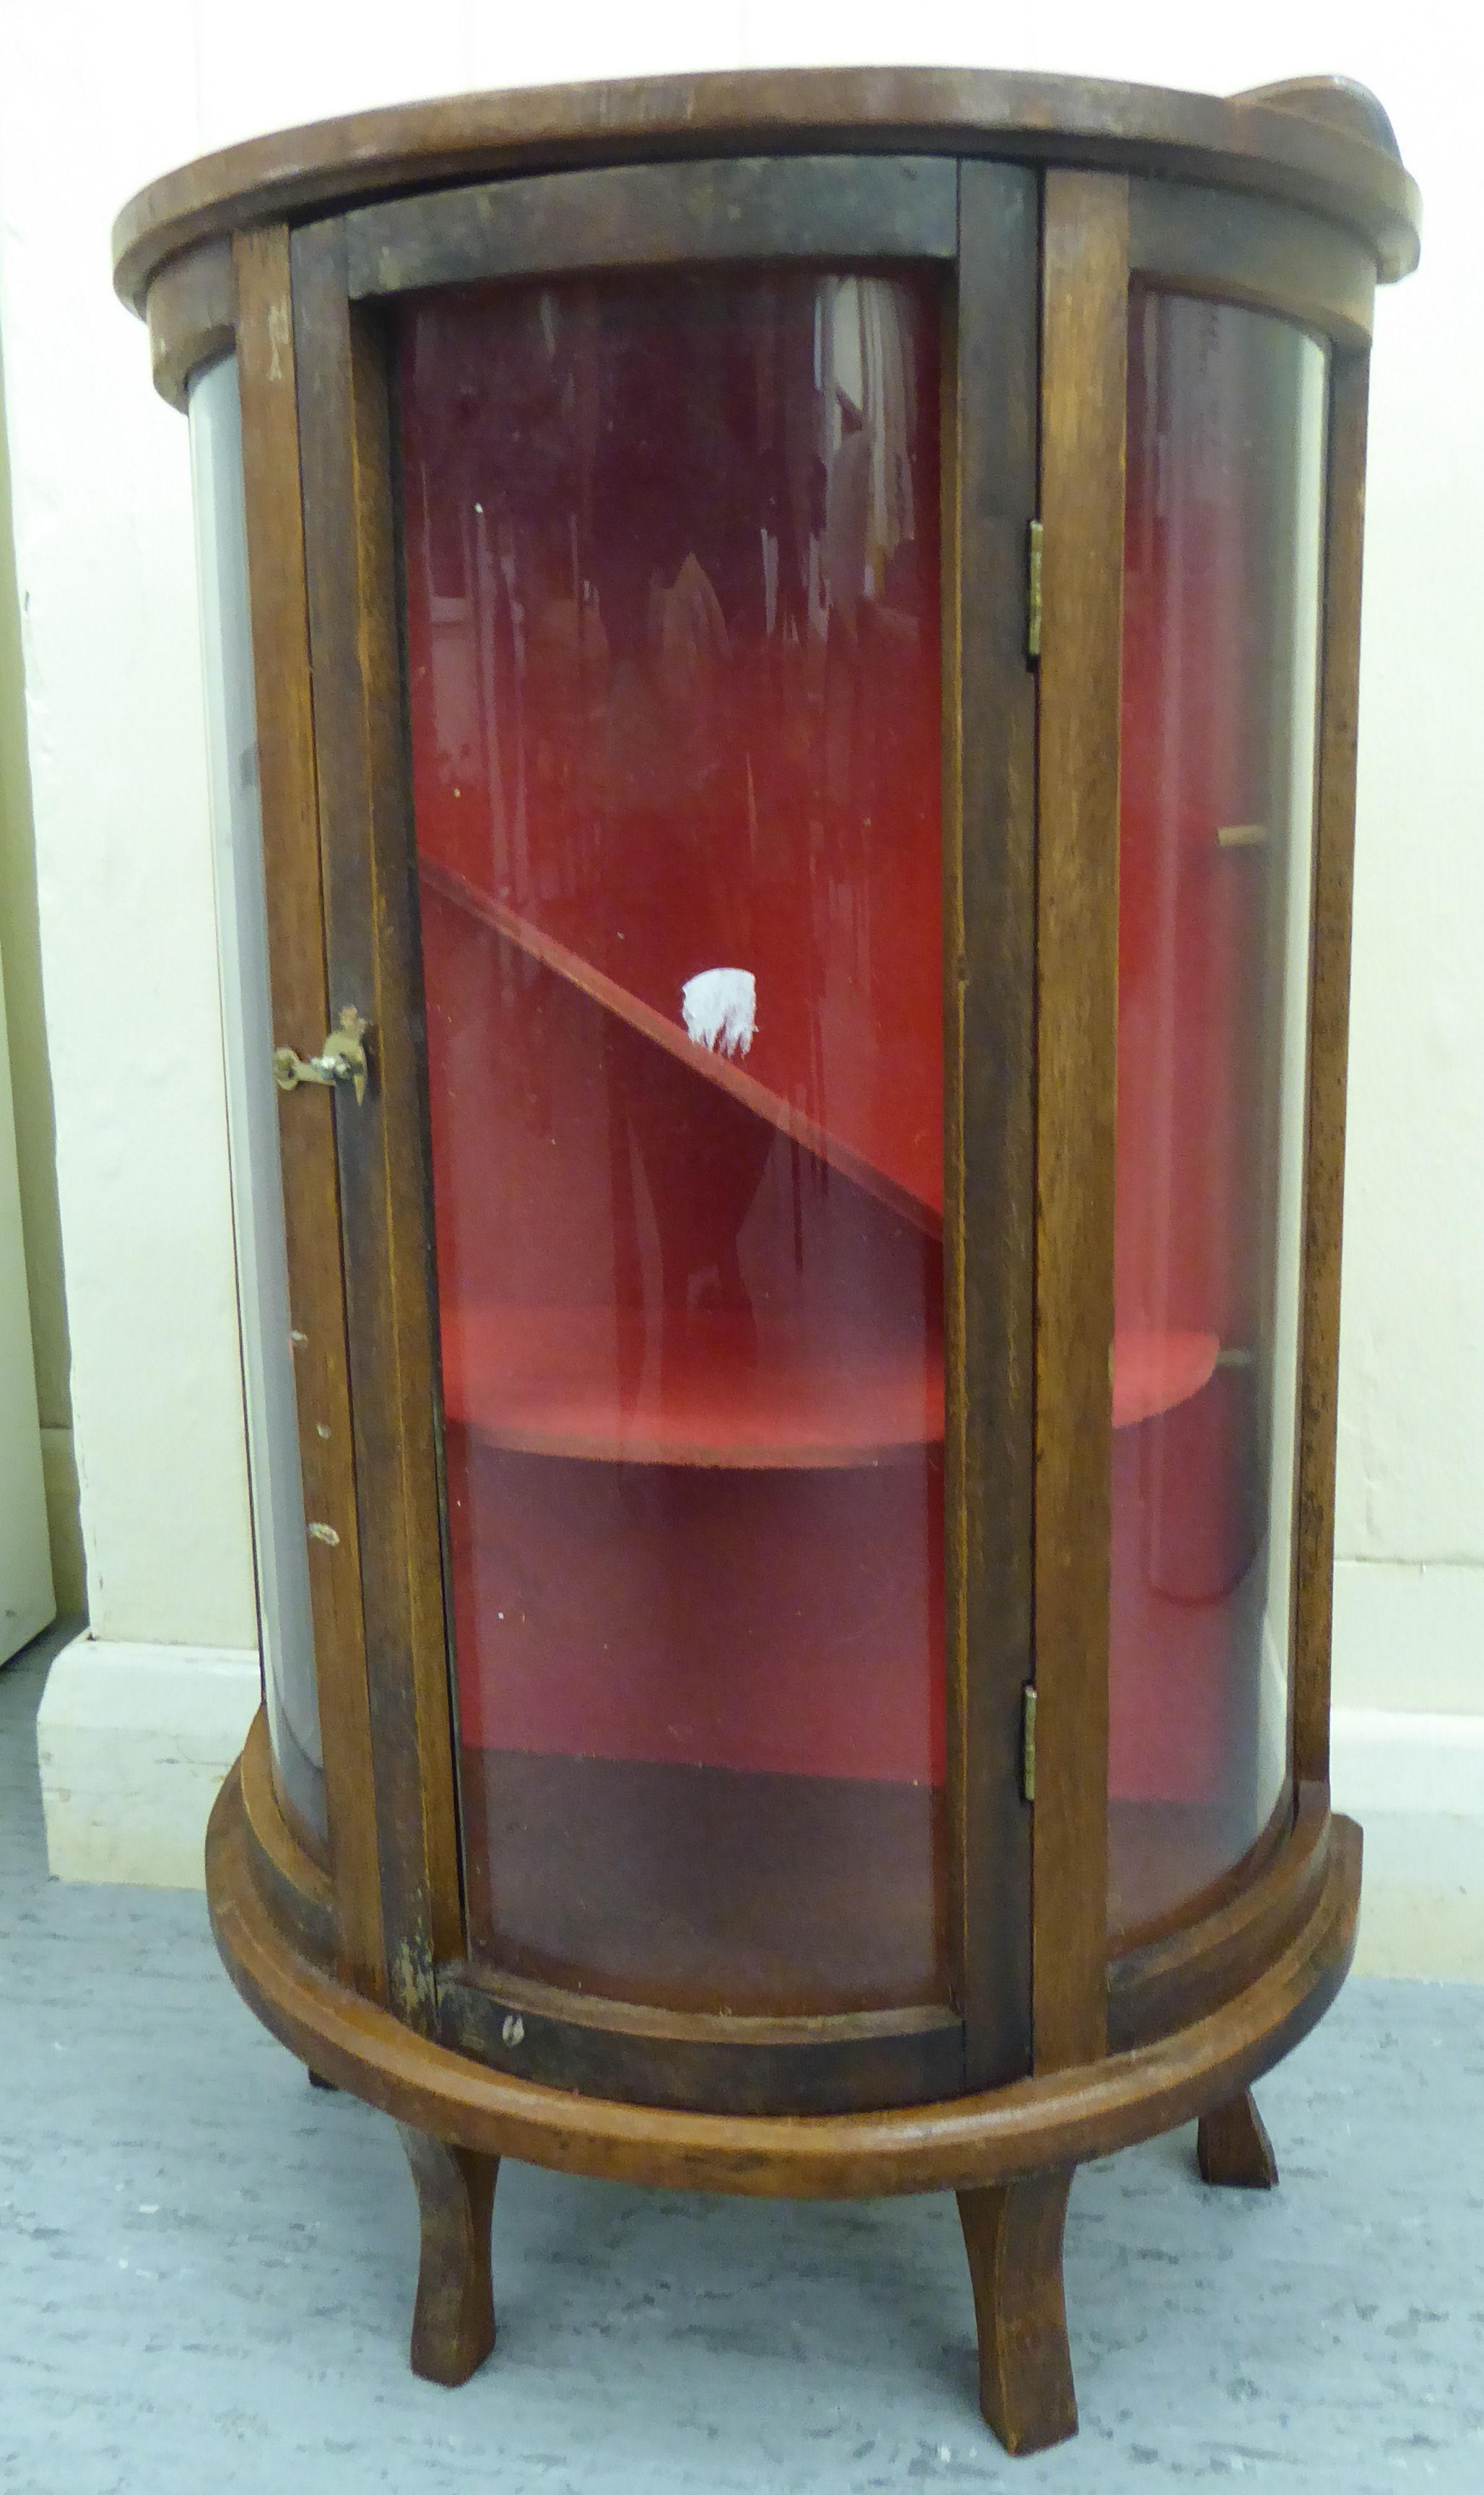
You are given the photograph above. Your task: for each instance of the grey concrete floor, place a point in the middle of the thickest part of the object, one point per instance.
(206, 2269)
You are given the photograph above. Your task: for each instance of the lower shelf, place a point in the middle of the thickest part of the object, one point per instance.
(702, 1887)
(677, 1386)
(1165, 1858)
(733, 1389)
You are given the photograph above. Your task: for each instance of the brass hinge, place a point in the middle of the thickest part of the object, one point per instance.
(1034, 590)
(342, 1059)
(1027, 1742)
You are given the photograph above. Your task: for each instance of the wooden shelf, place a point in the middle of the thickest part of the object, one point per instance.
(722, 1388)
(778, 1895)
(1154, 1368)
(708, 1387)
(673, 1037)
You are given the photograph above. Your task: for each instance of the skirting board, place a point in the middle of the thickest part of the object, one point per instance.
(134, 1742)
(1415, 1782)
(1408, 1759)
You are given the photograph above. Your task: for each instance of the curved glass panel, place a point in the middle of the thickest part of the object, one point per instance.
(673, 599)
(280, 1550)
(1227, 426)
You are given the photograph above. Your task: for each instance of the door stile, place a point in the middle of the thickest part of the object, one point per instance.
(989, 1058)
(267, 378)
(1328, 1028)
(1084, 348)
(371, 942)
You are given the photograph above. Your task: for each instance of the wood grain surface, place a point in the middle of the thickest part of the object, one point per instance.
(1329, 1016)
(1085, 294)
(267, 374)
(1012, 2235)
(370, 936)
(191, 314)
(989, 1058)
(1170, 1980)
(1294, 146)
(1255, 252)
(1059, 2119)
(454, 2319)
(1232, 2146)
(831, 208)
(300, 1890)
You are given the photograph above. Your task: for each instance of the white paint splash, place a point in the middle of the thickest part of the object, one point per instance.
(721, 1010)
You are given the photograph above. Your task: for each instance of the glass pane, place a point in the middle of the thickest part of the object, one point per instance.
(672, 589)
(1226, 417)
(279, 1545)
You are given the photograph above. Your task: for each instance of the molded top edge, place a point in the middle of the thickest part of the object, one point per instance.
(1317, 144)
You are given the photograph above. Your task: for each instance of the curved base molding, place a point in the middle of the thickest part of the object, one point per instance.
(966, 2142)
(1009, 2154)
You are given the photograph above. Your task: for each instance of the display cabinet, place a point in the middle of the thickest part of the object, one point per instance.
(781, 655)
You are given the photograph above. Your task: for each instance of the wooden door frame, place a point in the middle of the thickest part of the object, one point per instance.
(1297, 267)
(346, 273)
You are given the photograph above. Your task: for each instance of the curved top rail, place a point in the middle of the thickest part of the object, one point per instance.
(1317, 144)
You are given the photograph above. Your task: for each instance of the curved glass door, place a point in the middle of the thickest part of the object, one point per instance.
(671, 578)
(1222, 554)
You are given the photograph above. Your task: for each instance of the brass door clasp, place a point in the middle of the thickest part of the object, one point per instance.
(341, 1060)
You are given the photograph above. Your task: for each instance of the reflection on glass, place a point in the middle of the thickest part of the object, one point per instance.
(672, 588)
(280, 1548)
(1226, 412)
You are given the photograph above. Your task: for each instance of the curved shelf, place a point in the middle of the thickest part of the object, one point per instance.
(704, 1387)
(1154, 1368)
(728, 1389)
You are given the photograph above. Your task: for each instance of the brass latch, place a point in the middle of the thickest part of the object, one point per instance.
(342, 1059)
(1027, 1742)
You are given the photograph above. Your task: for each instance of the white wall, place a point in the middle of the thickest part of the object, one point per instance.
(103, 563)
(104, 554)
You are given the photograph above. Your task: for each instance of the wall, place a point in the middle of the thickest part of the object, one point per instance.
(23, 1036)
(103, 549)
(104, 552)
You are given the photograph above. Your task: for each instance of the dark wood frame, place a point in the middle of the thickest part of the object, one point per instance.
(876, 211)
(1321, 144)
(1042, 199)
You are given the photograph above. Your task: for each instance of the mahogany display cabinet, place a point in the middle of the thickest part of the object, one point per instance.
(781, 660)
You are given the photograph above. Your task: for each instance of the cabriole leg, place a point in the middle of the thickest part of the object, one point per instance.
(1013, 2235)
(453, 2326)
(1232, 2146)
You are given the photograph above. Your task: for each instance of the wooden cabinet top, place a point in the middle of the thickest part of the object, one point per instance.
(1319, 143)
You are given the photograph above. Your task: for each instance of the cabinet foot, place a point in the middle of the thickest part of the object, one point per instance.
(453, 2326)
(1012, 2232)
(1232, 2146)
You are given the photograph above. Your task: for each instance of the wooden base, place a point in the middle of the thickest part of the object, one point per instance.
(1012, 2232)
(1008, 2153)
(454, 2324)
(1232, 2146)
